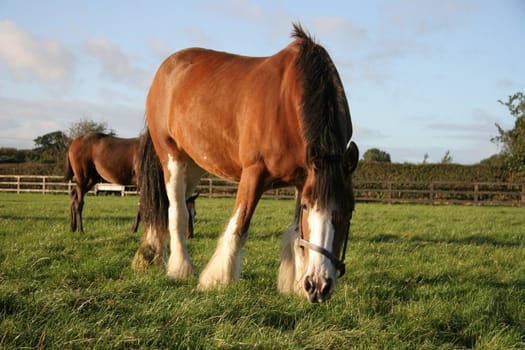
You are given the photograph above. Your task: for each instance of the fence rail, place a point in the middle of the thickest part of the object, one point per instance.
(475, 193)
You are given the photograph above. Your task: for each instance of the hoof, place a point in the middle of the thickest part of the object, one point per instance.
(180, 269)
(210, 279)
(144, 258)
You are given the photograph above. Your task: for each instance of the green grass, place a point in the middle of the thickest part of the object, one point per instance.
(418, 277)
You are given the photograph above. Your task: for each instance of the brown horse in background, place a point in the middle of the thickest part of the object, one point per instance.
(97, 157)
(266, 122)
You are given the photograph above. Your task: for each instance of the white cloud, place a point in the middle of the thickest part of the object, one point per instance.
(28, 56)
(425, 16)
(158, 47)
(244, 9)
(23, 120)
(197, 35)
(115, 64)
(113, 61)
(339, 28)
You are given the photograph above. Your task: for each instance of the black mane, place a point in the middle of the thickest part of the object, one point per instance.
(327, 126)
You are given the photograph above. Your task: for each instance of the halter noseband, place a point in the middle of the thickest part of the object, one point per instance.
(339, 264)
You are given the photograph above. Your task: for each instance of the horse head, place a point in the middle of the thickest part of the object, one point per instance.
(326, 206)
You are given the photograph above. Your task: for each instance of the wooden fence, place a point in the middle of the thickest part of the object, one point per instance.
(476, 193)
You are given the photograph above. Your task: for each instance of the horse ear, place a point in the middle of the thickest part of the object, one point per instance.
(351, 157)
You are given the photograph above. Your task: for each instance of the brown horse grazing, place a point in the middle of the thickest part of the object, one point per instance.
(265, 122)
(97, 157)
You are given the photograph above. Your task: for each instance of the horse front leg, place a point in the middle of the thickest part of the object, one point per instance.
(225, 264)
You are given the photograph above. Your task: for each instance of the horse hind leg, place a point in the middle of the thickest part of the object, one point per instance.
(179, 264)
(73, 212)
(151, 249)
(77, 204)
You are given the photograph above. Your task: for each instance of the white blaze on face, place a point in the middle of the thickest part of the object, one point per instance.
(321, 235)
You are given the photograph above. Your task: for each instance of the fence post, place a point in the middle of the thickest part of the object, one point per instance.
(476, 193)
(43, 184)
(389, 189)
(18, 185)
(431, 194)
(210, 187)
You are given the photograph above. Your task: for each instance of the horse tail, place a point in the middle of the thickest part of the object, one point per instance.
(69, 170)
(154, 201)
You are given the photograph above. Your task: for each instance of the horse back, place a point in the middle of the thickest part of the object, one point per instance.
(227, 111)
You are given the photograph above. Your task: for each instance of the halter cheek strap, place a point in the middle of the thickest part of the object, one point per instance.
(339, 264)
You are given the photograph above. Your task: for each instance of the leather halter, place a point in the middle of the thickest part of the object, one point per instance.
(339, 264)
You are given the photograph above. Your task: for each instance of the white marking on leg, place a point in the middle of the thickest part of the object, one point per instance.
(179, 263)
(225, 264)
(152, 243)
(152, 239)
(322, 235)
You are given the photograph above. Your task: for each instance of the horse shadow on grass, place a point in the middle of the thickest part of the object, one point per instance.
(31, 217)
(385, 286)
(475, 240)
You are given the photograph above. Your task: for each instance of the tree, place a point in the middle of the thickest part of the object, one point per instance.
(513, 140)
(496, 160)
(85, 126)
(51, 147)
(447, 158)
(13, 155)
(376, 155)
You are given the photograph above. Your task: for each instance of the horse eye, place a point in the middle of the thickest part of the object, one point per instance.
(304, 206)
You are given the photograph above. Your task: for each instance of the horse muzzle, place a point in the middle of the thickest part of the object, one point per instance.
(318, 289)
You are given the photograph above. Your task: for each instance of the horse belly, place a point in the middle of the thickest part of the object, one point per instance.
(216, 159)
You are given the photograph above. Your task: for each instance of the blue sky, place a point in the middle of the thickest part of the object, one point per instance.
(422, 76)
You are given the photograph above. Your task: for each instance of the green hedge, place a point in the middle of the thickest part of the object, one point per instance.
(366, 171)
(375, 171)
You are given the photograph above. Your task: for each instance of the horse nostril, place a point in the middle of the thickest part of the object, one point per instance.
(308, 285)
(327, 287)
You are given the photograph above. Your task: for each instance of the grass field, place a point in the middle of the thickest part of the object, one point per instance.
(418, 277)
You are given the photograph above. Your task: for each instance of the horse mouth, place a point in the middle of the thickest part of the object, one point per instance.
(318, 290)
